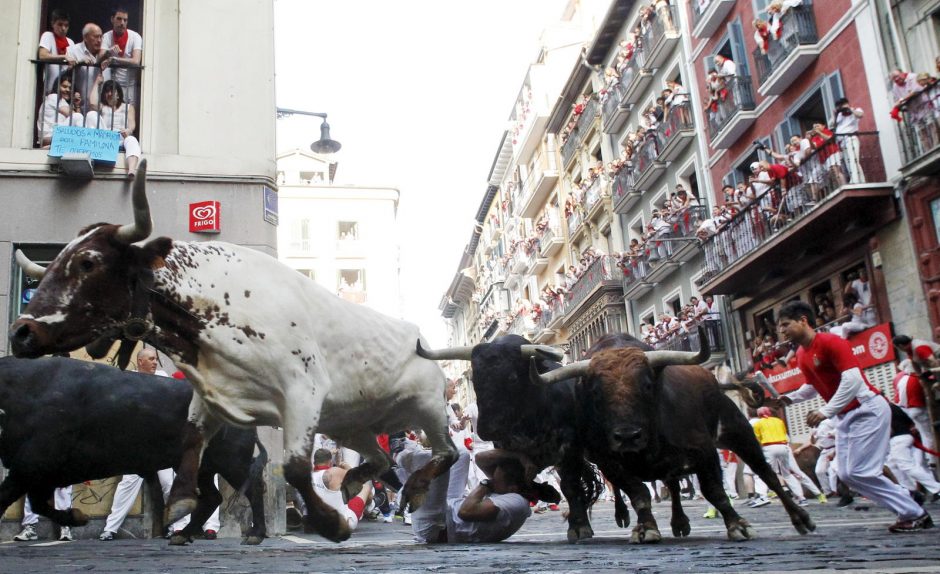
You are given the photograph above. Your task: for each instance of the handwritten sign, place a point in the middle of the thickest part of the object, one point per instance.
(101, 145)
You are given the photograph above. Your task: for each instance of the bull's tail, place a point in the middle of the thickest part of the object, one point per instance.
(751, 392)
(257, 468)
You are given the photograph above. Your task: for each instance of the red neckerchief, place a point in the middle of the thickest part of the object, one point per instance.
(121, 41)
(318, 467)
(61, 44)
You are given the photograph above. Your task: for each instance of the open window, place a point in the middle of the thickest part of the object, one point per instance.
(816, 105)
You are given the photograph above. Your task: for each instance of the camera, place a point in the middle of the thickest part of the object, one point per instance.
(759, 145)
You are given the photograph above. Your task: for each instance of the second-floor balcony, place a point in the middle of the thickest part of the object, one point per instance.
(603, 272)
(676, 131)
(732, 113)
(540, 182)
(575, 223)
(707, 16)
(623, 190)
(661, 37)
(920, 131)
(787, 58)
(580, 131)
(838, 197)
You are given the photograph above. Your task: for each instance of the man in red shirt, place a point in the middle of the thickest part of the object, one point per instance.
(862, 416)
(909, 395)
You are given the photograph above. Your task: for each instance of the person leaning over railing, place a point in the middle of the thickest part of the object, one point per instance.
(110, 112)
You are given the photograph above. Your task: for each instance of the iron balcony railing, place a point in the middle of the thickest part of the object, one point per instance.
(799, 28)
(638, 62)
(647, 153)
(664, 22)
(690, 341)
(635, 269)
(920, 123)
(580, 131)
(574, 221)
(622, 184)
(736, 95)
(678, 119)
(612, 100)
(841, 160)
(550, 312)
(593, 194)
(602, 269)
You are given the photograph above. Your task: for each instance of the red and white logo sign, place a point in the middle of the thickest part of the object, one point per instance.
(205, 217)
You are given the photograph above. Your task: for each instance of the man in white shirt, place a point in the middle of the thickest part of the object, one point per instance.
(122, 46)
(726, 67)
(328, 481)
(53, 45)
(85, 54)
(846, 128)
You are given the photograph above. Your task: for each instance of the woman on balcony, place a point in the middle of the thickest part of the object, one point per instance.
(61, 107)
(110, 112)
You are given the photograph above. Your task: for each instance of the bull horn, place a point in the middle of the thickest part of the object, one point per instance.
(529, 351)
(451, 353)
(32, 270)
(143, 224)
(569, 371)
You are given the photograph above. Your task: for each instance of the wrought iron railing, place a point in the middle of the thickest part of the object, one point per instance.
(690, 341)
(736, 95)
(612, 100)
(604, 268)
(593, 194)
(920, 123)
(647, 153)
(635, 269)
(841, 160)
(678, 119)
(663, 22)
(574, 221)
(799, 27)
(622, 184)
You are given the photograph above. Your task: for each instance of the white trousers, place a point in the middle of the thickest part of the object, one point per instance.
(806, 481)
(730, 475)
(905, 469)
(826, 470)
(778, 457)
(862, 438)
(130, 143)
(921, 419)
(431, 519)
(62, 499)
(126, 493)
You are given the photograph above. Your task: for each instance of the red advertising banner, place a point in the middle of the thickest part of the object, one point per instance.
(205, 217)
(872, 347)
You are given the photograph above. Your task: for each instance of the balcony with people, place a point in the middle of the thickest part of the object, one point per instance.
(635, 73)
(583, 113)
(787, 43)
(541, 178)
(547, 313)
(548, 231)
(574, 215)
(635, 266)
(623, 191)
(527, 124)
(918, 114)
(614, 110)
(708, 15)
(682, 331)
(594, 189)
(659, 27)
(595, 271)
(828, 190)
(677, 130)
(729, 106)
(647, 163)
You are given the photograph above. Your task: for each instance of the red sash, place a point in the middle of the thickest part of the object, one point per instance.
(121, 42)
(61, 44)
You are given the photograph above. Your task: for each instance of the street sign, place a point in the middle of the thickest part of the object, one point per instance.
(270, 206)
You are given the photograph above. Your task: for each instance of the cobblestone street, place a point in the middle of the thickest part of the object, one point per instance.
(847, 539)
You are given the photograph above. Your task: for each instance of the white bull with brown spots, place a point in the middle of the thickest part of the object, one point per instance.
(261, 344)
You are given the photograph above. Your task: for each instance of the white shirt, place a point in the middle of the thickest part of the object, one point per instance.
(83, 76)
(47, 41)
(513, 512)
(728, 68)
(334, 498)
(848, 124)
(51, 114)
(134, 42)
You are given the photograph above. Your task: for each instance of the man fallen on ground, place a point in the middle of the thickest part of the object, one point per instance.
(328, 482)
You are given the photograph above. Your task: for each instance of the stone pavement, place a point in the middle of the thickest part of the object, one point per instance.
(845, 540)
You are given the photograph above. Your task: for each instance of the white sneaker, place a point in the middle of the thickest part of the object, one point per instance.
(387, 518)
(65, 534)
(407, 518)
(27, 534)
(762, 501)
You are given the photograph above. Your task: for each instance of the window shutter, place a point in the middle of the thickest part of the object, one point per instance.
(738, 48)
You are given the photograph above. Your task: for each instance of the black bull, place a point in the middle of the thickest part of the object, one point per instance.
(64, 421)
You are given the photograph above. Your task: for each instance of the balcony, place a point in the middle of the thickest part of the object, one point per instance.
(495, 325)
(920, 132)
(787, 58)
(536, 263)
(635, 78)
(594, 198)
(648, 165)
(676, 132)
(580, 131)
(684, 227)
(623, 191)
(614, 111)
(550, 240)
(523, 325)
(707, 16)
(602, 273)
(733, 115)
(548, 321)
(540, 183)
(841, 199)
(529, 124)
(575, 223)
(691, 341)
(635, 271)
(661, 37)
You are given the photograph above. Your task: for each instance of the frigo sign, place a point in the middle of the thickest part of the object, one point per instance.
(205, 217)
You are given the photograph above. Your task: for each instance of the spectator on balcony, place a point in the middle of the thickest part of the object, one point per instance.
(762, 35)
(625, 54)
(903, 85)
(717, 87)
(112, 113)
(53, 45)
(852, 309)
(712, 318)
(860, 286)
(664, 13)
(61, 107)
(646, 19)
(122, 46)
(659, 229)
(846, 131)
(725, 66)
(85, 53)
(828, 155)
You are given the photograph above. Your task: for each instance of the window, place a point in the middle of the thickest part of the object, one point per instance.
(309, 273)
(300, 235)
(311, 177)
(816, 105)
(347, 230)
(23, 286)
(351, 285)
(935, 212)
(82, 77)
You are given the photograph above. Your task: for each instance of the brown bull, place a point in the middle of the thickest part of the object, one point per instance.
(666, 422)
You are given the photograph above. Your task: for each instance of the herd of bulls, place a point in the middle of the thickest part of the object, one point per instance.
(264, 346)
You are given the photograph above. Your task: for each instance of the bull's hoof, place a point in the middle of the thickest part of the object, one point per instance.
(681, 527)
(580, 533)
(180, 539)
(741, 531)
(803, 523)
(643, 534)
(622, 518)
(415, 491)
(339, 533)
(252, 540)
(78, 518)
(179, 509)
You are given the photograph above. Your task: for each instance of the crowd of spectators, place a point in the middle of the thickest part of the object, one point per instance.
(771, 28)
(674, 331)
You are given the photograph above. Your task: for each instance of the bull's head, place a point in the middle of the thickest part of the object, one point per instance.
(619, 391)
(86, 291)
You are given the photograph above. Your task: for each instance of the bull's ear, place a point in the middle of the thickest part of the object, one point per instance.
(156, 250)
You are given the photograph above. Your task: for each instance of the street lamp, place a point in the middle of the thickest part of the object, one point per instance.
(325, 144)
